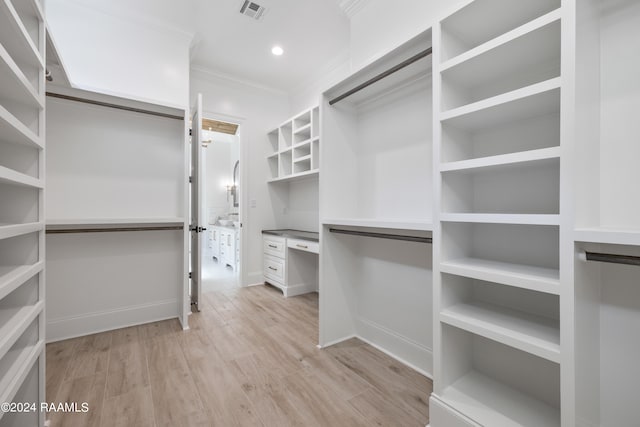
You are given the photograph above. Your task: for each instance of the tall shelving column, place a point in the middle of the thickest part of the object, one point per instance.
(497, 227)
(22, 125)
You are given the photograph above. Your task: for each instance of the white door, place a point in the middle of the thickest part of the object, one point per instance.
(195, 227)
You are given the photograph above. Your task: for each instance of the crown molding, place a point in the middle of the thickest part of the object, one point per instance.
(352, 7)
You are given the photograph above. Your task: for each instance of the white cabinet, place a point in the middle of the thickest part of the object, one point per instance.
(294, 147)
(214, 239)
(22, 192)
(225, 245)
(290, 264)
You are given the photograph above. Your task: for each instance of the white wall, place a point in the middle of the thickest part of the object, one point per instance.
(382, 25)
(125, 58)
(259, 110)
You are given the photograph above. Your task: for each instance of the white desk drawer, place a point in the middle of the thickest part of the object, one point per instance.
(274, 245)
(273, 268)
(304, 245)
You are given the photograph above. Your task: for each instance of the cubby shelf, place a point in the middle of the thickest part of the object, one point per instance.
(15, 132)
(10, 176)
(527, 332)
(492, 403)
(14, 322)
(523, 276)
(490, 163)
(14, 35)
(11, 277)
(15, 85)
(500, 218)
(612, 236)
(13, 230)
(531, 101)
(513, 48)
(303, 129)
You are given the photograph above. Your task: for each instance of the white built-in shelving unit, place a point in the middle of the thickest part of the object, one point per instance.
(497, 158)
(117, 180)
(377, 148)
(22, 184)
(294, 148)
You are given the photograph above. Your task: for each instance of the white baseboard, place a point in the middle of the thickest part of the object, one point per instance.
(338, 341)
(91, 323)
(255, 277)
(405, 350)
(299, 289)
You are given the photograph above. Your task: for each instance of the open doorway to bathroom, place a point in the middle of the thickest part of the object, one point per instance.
(221, 205)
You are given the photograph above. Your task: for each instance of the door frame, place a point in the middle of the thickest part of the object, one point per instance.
(244, 179)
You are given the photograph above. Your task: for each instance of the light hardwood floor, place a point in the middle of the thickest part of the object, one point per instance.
(249, 359)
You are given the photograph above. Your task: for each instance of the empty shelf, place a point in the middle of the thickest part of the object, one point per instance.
(483, 218)
(612, 236)
(527, 332)
(522, 276)
(11, 277)
(539, 157)
(15, 86)
(531, 101)
(12, 230)
(15, 38)
(12, 177)
(296, 176)
(14, 131)
(14, 322)
(380, 223)
(492, 403)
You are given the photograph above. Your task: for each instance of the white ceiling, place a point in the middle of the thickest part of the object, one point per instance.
(313, 33)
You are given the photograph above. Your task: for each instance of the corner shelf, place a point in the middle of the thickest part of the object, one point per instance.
(527, 332)
(492, 403)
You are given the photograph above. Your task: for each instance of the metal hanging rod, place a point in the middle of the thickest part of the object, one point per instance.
(113, 230)
(610, 258)
(382, 75)
(116, 106)
(427, 240)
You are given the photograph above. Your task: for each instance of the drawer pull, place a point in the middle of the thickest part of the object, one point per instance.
(273, 246)
(274, 269)
(303, 246)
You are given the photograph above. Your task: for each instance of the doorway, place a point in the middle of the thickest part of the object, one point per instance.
(221, 205)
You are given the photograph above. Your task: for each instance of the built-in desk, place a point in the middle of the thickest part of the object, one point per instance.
(290, 260)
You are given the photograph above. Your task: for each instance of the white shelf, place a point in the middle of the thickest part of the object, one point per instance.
(522, 276)
(271, 156)
(14, 36)
(612, 236)
(14, 322)
(79, 223)
(531, 101)
(302, 159)
(13, 131)
(10, 384)
(527, 332)
(492, 403)
(296, 176)
(11, 277)
(30, 8)
(13, 230)
(380, 223)
(530, 44)
(15, 85)
(12, 177)
(302, 129)
(483, 218)
(539, 156)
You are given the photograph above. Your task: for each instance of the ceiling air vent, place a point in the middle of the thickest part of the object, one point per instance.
(252, 10)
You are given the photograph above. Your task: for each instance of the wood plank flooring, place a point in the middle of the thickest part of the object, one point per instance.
(249, 359)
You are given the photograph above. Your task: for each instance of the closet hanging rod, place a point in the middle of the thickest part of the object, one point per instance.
(112, 230)
(382, 75)
(427, 240)
(116, 106)
(610, 258)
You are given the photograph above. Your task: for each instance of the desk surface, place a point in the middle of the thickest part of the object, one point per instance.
(295, 234)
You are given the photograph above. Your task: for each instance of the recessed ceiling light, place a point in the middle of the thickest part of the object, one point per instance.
(277, 50)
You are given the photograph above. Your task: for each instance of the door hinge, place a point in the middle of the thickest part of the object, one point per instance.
(190, 275)
(190, 179)
(189, 132)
